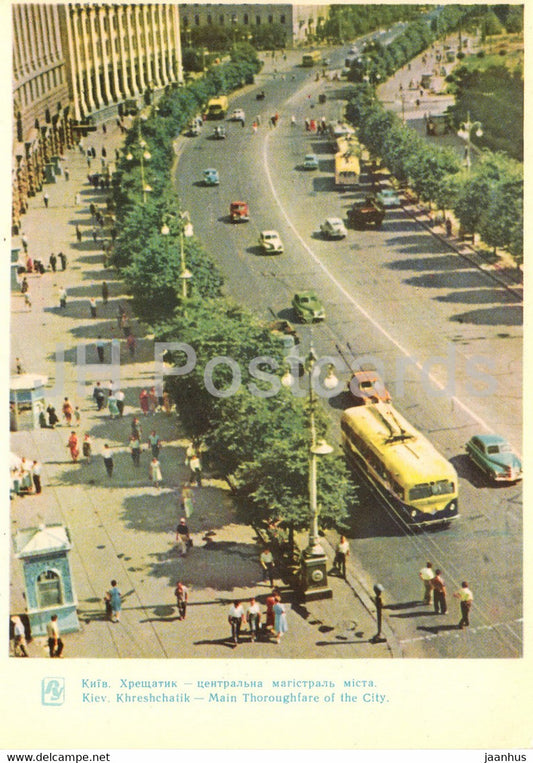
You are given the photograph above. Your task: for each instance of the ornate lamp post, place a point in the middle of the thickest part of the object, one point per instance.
(145, 155)
(465, 132)
(314, 561)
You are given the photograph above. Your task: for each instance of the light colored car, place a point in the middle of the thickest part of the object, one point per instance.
(211, 176)
(493, 455)
(310, 162)
(333, 227)
(388, 197)
(270, 242)
(367, 387)
(237, 115)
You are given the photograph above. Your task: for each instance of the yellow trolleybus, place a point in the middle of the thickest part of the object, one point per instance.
(347, 162)
(311, 59)
(417, 480)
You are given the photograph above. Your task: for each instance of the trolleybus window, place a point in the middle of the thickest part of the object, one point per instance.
(427, 490)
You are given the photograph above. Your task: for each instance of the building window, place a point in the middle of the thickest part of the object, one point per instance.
(197, 20)
(245, 19)
(258, 20)
(221, 20)
(209, 19)
(270, 19)
(282, 19)
(185, 21)
(49, 589)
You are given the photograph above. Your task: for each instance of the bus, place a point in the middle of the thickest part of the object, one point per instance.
(217, 108)
(311, 59)
(419, 483)
(347, 162)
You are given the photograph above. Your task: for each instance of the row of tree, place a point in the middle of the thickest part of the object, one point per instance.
(486, 199)
(255, 430)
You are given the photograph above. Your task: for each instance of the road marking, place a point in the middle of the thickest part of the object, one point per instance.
(430, 636)
(357, 306)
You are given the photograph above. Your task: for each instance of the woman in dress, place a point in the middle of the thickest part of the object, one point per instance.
(87, 447)
(152, 401)
(155, 472)
(74, 446)
(280, 622)
(115, 601)
(113, 407)
(52, 417)
(143, 401)
(68, 411)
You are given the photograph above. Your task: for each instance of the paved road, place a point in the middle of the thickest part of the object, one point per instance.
(390, 295)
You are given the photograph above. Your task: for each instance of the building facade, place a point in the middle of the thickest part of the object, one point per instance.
(300, 21)
(73, 61)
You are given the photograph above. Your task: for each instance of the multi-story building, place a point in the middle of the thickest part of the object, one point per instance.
(74, 61)
(300, 21)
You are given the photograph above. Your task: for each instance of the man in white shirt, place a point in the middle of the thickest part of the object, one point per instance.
(235, 618)
(426, 575)
(55, 644)
(266, 560)
(253, 616)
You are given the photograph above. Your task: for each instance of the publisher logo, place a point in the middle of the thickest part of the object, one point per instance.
(52, 691)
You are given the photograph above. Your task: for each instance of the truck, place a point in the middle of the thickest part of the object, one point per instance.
(217, 108)
(368, 212)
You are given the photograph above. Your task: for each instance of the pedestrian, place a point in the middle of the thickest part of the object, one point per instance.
(182, 597)
(104, 152)
(186, 500)
(78, 233)
(55, 643)
(63, 259)
(266, 560)
(253, 618)
(113, 407)
(92, 307)
(341, 552)
(67, 172)
(143, 402)
(104, 128)
(77, 416)
(36, 471)
(439, 594)
(131, 344)
(448, 224)
(46, 199)
(426, 575)
(100, 349)
(52, 416)
(27, 301)
(196, 470)
(74, 446)
(235, 619)
(87, 447)
(108, 460)
(18, 366)
(77, 199)
(270, 601)
(115, 600)
(119, 396)
(94, 232)
(154, 441)
(167, 405)
(105, 292)
(183, 538)
(280, 619)
(24, 286)
(62, 298)
(155, 472)
(152, 401)
(52, 261)
(99, 396)
(466, 597)
(24, 239)
(136, 428)
(19, 635)
(135, 449)
(67, 411)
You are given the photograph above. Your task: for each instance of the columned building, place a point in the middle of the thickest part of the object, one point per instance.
(300, 21)
(73, 62)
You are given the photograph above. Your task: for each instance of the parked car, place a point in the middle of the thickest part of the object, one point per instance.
(237, 115)
(493, 455)
(308, 307)
(270, 242)
(333, 227)
(388, 198)
(369, 212)
(367, 387)
(310, 162)
(219, 133)
(211, 177)
(238, 212)
(194, 127)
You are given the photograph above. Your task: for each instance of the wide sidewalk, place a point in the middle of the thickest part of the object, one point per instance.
(123, 527)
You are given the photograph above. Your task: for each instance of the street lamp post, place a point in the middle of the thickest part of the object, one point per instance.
(186, 230)
(465, 132)
(145, 155)
(314, 578)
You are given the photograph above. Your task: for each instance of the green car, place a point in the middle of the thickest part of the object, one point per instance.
(493, 455)
(308, 307)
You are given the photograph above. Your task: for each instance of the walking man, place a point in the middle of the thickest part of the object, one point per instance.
(154, 442)
(53, 262)
(182, 597)
(426, 575)
(20, 637)
(99, 396)
(62, 298)
(63, 258)
(55, 644)
(100, 349)
(135, 447)
(36, 475)
(92, 307)
(439, 594)
(78, 233)
(266, 560)
(253, 616)
(341, 552)
(105, 292)
(466, 597)
(196, 470)
(108, 461)
(46, 199)
(235, 619)
(119, 396)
